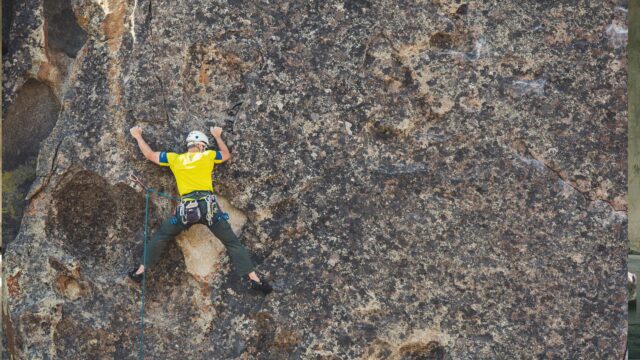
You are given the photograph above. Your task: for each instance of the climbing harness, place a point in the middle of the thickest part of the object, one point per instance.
(189, 210)
(214, 212)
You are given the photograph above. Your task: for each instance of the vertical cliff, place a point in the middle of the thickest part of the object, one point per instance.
(420, 179)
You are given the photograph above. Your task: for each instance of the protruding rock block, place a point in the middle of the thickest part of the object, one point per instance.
(202, 252)
(69, 287)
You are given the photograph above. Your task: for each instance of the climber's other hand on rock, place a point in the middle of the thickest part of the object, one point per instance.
(216, 131)
(136, 131)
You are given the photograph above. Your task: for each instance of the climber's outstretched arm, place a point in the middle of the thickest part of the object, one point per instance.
(153, 156)
(222, 147)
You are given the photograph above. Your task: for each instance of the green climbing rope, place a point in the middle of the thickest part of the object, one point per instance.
(144, 262)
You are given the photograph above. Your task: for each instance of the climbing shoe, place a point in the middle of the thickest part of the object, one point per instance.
(263, 286)
(135, 277)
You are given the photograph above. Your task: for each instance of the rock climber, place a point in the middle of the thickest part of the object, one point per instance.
(192, 171)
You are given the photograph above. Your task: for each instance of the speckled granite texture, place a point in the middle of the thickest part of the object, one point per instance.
(420, 180)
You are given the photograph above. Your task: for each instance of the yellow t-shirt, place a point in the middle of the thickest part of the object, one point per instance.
(192, 170)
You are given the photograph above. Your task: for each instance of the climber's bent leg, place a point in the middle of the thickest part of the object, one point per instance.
(237, 252)
(171, 227)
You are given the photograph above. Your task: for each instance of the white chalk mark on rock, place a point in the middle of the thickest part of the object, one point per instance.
(617, 34)
(133, 20)
(529, 87)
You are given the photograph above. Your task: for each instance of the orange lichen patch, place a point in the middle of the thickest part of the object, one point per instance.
(31, 210)
(13, 286)
(231, 61)
(204, 290)
(44, 71)
(83, 22)
(443, 105)
(69, 287)
(203, 75)
(113, 72)
(422, 344)
(561, 35)
(224, 63)
(295, 57)
(520, 146)
(619, 203)
(379, 349)
(117, 94)
(114, 83)
(471, 104)
(583, 184)
(113, 26)
(286, 339)
(45, 33)
(391, 84)
(49, 74)
(413, 49)
(420, 350)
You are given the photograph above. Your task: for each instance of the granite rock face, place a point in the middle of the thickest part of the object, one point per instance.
(420, 180)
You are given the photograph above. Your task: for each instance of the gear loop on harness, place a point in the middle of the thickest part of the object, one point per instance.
(214, 212)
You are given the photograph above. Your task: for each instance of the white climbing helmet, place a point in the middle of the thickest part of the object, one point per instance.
(197, 136)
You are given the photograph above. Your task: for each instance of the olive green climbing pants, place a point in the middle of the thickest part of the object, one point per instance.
(173, 225)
